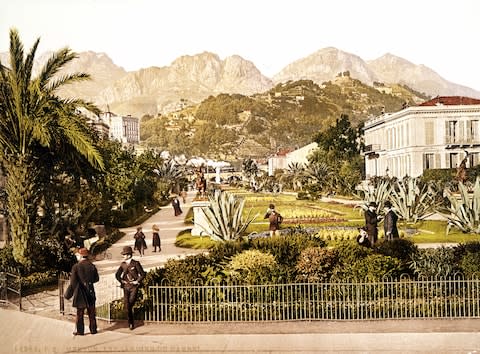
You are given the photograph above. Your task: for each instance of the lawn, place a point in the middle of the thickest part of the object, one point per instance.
(333, 215)
(344, 214)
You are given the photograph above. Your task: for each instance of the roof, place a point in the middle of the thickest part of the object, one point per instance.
(283, 152)
(451, 101)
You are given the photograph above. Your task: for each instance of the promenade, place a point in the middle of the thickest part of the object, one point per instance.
(41, 329)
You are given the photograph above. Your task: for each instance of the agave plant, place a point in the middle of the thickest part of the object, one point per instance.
(378, 192)
(224, 216)
(464, 209)
(413, 200)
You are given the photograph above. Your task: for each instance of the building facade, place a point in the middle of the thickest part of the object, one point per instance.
(283, 159)
(435, 134)
(125, 129)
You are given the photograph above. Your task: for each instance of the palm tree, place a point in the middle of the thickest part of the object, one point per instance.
(34, 121)
(296, 171)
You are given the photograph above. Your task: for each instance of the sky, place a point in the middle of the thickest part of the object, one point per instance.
(441, 34)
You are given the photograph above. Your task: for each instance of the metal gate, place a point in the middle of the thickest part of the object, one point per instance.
(11, 289)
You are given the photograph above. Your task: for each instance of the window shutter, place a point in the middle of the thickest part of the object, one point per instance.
(461, 132)
(447, 133)
(437, 161)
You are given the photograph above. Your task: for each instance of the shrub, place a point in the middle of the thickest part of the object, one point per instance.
(399, 248)
(36, 281)
(371, 267)
(286, 249)
(350, 251)
(252, 267)
(223, 251)
(470, 264)
(316, 264)
(463, 248)
(434, 262)
(187, 270)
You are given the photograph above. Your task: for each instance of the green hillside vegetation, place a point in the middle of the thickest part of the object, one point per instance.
(234, 126)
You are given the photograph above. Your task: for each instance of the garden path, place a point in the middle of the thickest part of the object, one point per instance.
(169, 224)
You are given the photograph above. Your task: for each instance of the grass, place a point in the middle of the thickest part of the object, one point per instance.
(345, 215)
(186, 240)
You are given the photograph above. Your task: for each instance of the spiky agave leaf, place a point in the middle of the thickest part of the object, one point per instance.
(224, 216)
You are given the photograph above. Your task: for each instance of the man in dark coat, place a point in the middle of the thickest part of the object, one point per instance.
(130, 275)
(390, 222)
(84, 274)
(371, 222)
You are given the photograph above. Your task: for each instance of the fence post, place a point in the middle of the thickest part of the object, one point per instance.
(60, 294)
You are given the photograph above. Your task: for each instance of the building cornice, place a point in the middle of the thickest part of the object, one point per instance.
(421, 111)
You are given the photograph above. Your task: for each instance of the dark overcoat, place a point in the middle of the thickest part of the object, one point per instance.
(84, 275)
(390, 224)
(371, 222)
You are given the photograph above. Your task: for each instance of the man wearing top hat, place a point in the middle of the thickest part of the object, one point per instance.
(83, 275)
(130, 275)
(390, 222)
(371, 222)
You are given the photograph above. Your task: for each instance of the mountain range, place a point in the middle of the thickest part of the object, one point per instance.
(192, 78)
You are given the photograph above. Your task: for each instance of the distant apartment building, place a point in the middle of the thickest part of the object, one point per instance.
(434, 134)
(125, 129)
(101, 127)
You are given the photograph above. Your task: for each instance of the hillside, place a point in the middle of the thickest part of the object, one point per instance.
(287, 116)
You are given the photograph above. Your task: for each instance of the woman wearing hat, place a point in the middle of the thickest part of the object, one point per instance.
(130, 275)
(140, 243)
(156, 238)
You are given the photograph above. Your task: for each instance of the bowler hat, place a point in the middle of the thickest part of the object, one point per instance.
(83, 252)
(388, 204)
(372, 204)
(127, 250)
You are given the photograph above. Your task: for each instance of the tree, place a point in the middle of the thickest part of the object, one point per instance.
(34, 121)
(341, 139)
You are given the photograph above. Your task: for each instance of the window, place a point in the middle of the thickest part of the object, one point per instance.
(473, 159)
(453, 160)
(428, 161)
(451, 131)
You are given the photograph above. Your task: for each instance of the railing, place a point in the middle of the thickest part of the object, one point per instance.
(11, 288)
(404, 298)
(108, 294)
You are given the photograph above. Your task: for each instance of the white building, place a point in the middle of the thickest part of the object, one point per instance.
(284, 158)
(434, 134)
(125, 129)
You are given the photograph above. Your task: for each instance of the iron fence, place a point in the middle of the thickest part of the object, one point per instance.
(109, 298)
(456, 297)
(11, 288)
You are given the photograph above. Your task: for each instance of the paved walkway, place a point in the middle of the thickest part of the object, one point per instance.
(169, 224)
(47, 302)
(21, 332)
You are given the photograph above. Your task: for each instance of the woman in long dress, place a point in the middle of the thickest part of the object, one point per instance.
(176, 206)
(156, 238)
(140, 243)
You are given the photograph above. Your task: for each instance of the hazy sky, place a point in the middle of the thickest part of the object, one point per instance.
(443, 35)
